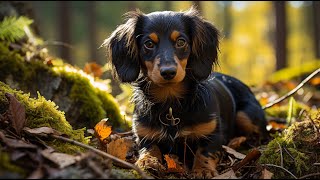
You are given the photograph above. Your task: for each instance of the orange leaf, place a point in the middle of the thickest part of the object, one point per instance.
(276, 126)
(93, 68)
(102, 129)
(315, 81)
(172, 164)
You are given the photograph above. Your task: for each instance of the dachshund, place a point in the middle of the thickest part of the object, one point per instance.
(181, 106)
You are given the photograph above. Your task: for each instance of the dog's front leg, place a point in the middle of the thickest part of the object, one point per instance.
(207, 157)
(150, 158)
(205, 164)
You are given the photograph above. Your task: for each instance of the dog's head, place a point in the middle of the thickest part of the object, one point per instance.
(165, 46)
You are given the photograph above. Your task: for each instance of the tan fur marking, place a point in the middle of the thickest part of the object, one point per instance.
(146, 132)
(154, 37)
(181, 69)
(245, 124)
(205, 167)
(174, 35)
(199, 130)
(162, 93)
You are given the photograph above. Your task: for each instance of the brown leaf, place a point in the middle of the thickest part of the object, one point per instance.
(233, 152)
(120, 147)
(173, 163)
(102, 129)
(227, 175)
(94, 69)
(61, 159)
(17, 113)
(14, 143)
(253, 155)
(42, 130)
(266, 174)
(236, 142)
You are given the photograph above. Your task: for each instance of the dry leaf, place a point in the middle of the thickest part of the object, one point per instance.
(120, 147)
(233, 152)
(227, 175)
(315, 81)
(266, 174)
(14, 143)
(102, 129)
(275, 126)
(236, 142)
(173, 163)
(94, 69)
(17, 113)
(42, 130)
(61, 159)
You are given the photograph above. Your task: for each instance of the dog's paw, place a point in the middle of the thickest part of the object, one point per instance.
(150, 163)
(203, 173)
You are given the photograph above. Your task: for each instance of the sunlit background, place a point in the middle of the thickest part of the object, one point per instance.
(74, 30)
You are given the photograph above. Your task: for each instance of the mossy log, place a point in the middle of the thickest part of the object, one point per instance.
(84, 100)
(295, 149)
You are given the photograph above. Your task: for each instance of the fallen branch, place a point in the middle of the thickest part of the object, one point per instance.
(104, 154)
(251, 156)
(292, 91)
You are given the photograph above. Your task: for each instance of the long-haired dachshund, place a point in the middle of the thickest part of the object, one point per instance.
(181, 107)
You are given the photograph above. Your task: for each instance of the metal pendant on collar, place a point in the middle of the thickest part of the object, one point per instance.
(173, 121)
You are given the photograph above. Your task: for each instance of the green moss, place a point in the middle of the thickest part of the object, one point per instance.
(112, 112)
(299, 145)
(282, 111)
(41, 112)
(7, 166)
(292, 72)
(120, 173)
(92, 103)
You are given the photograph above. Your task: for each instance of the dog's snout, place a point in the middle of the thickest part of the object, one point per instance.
(168, 72)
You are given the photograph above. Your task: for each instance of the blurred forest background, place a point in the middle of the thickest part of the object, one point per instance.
(258, 38)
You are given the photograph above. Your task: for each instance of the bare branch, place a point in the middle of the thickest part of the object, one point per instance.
(293, 90)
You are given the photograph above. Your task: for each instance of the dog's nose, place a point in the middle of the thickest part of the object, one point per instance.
(168, 72)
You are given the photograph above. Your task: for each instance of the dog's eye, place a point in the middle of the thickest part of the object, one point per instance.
(149, 44)
(180, 42)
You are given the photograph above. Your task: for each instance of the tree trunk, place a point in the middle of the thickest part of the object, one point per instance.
(92, 31)
(280, 34)
(316, 17)
(64, 21)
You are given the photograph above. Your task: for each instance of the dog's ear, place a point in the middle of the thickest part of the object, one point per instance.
(122, 48)
(205, 44)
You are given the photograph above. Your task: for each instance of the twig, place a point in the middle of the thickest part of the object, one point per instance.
(281, 160)
(253, 155)
(289, 154)
(292, 91)
(143, 175)
(309, 175)
(273, 165)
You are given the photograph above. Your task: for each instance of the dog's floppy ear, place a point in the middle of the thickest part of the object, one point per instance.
(122, 49)
(205, 44)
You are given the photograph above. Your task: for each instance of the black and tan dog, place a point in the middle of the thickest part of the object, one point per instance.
(168, 57)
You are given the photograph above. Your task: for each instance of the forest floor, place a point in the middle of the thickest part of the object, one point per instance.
(111, 154)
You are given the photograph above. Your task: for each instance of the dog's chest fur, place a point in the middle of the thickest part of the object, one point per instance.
(194, 117)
